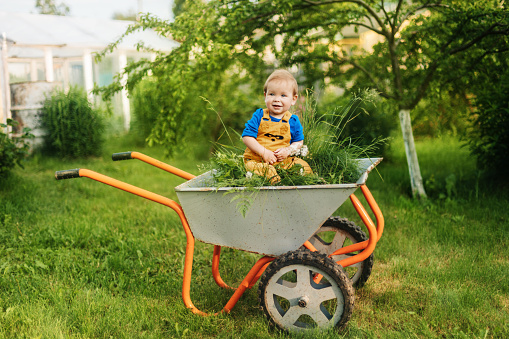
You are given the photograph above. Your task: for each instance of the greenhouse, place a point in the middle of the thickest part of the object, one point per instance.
(40, 52)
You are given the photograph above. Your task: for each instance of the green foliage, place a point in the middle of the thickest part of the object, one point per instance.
(179, 6)
(489, 136)
(129, 15)
(146, 107)
(422, 45)
(50, 7)
(331, 156)
(441, 113)
(73, 127)
(374, 120)
(13, 149)
(184, 76)
(332, 153)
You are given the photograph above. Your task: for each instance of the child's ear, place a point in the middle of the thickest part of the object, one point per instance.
(294, 100)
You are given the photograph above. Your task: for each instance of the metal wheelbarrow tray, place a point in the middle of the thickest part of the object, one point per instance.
(279, 218)
(282, 223)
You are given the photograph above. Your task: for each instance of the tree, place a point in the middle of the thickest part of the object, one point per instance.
(129, 15)
(196, 92)
(179, 6)
(50, 7)
(421, 43)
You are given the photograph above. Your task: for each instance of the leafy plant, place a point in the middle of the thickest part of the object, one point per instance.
(331, 156)
(73, 127)
(489, 136)
(13, 149)
(375, 119)
(146, 107)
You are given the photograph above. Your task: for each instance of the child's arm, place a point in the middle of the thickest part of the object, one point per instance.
(283, 153)
(254, 145)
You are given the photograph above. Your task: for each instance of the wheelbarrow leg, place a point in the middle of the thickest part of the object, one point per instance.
(375, 232)
(215, 268)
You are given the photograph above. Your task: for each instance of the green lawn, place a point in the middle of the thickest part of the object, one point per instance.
(81, 259)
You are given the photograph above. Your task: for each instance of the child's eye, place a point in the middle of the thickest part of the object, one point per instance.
(284, 95)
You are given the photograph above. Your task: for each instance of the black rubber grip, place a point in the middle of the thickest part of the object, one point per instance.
(121, 156)
(67, 174)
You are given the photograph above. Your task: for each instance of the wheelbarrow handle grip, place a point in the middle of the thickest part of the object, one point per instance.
(121, 156)
(67, 174)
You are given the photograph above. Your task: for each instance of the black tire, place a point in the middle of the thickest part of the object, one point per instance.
(293, 301)
(339, 232)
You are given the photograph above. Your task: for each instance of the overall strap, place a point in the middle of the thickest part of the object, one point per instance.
(266, 115)
(286, 117)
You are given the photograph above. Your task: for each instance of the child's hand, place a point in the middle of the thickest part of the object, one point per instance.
(282, 153)
(269, 157)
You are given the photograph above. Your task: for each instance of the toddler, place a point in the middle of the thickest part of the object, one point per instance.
(273, 134)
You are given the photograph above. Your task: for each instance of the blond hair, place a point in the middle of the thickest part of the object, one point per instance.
(282, 75)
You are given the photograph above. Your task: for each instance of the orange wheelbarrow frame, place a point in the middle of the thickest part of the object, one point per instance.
(366, 248)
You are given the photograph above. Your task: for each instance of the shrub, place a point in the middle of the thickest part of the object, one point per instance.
(145, 107)
(489, 137)
(12, 149)
(442, 112)
(73, 127)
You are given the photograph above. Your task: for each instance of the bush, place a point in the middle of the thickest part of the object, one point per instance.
(489, 137)
(442, 112)
(145, 107)
(12, 149)
(73, 127)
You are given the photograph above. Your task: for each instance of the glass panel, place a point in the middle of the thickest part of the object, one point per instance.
(58, 71)
(41, 74)
(103, 75)
(76, 74)
(19, 72)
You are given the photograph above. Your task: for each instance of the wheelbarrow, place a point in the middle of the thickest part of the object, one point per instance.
(307, 271)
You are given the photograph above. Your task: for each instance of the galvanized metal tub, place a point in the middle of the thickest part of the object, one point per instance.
(279, 219)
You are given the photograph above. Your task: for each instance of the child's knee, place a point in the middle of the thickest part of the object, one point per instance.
(263, 169)
(305, 165)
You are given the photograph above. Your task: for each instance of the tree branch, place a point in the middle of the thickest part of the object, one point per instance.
(396, 13)
(423, 87)
(387, 16)
(380, 91)
(479, 38)
(361, 3)
(365, 26)
(413, 11)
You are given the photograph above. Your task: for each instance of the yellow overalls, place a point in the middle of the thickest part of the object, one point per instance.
(272, 135)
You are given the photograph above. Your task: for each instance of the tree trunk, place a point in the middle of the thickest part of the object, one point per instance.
(411, 155)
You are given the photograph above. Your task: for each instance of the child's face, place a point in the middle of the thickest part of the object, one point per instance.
(279, 97)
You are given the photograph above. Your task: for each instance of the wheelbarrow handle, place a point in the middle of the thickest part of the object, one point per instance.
(121, 156)
(153, 162)
(67, 174)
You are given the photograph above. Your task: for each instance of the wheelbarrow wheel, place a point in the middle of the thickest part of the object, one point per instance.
(336, 233)
(303, 290)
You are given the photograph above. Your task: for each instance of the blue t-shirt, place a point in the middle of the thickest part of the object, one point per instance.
(253, 124)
